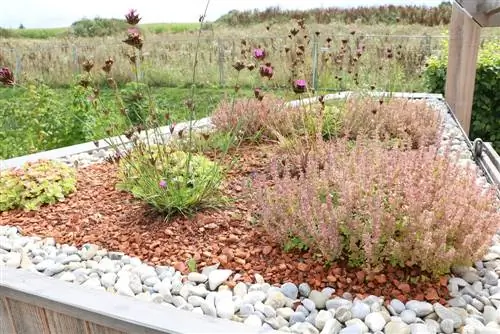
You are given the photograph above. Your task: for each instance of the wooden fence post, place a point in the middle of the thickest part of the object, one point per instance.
(463, 49)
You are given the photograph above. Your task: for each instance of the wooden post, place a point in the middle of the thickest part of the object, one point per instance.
(462, 59)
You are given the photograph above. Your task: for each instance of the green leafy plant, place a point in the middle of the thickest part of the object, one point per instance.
(192, 265)
(35, 184)
(162, 178)
(295, 243)
(485, 122)
(136, 101)
(97, 27)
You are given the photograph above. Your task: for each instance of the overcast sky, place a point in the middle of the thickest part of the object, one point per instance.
(58, 13)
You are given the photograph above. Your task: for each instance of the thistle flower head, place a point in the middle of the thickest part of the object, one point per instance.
(108, 63)
(7, 77)
(134, 38)
(88, 64)
(162, 184)
(259, 54)
(132, 17)
(299, 86)
(266, 71)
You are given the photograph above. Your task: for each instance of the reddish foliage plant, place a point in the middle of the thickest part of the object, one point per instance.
(363, 203)
(257, 117)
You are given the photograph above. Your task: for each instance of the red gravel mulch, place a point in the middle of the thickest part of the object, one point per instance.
(97, 213)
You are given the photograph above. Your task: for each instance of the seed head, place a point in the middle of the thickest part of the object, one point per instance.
(88, 64)
(258, 93)
(108, 64)
(238, 65)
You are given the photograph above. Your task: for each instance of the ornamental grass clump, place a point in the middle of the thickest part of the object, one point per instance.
(35, 184)
(358, 201)
(161, 177)
(407, 123)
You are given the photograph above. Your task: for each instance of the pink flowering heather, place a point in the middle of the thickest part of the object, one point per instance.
(371, 205)
(257, 116)
(406, 123)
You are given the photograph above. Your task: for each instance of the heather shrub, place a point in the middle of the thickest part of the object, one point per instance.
(360, 202)
(35, 184)
(409, 123)
(272, 119)
(251, 118)
(173, 182)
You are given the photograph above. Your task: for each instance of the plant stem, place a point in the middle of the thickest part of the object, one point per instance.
(193, 83)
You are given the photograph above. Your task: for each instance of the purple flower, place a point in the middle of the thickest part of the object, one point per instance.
(163, 184)
(266, 70)
(299, 86)
(7, 77)
(259, 54)
(132, 17)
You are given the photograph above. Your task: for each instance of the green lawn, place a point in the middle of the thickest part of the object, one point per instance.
(48, 118)
(46, 33)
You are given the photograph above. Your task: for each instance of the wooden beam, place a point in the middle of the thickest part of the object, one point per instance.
(489, 8)
(485, 12)
(463, 49)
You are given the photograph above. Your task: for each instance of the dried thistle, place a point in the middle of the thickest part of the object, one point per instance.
(238, 65)
(87, 65)
(108, 64)
(7, 77)
(134, 38)
(189, 104)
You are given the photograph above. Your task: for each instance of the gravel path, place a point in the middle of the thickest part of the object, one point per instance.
(473, 308)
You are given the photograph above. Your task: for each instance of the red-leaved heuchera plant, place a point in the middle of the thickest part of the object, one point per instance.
(369, 205)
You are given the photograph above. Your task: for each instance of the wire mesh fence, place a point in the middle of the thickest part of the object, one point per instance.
(337, 63)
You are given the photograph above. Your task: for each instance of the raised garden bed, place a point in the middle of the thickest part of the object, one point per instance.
(105, 232)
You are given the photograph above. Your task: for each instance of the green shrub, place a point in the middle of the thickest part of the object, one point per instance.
(98, 27)
(485, 122)
(34, 184)
(137, 101)
(37, 118)
(160, 176)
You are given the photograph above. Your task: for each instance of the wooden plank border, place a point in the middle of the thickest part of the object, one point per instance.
(120, 313)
